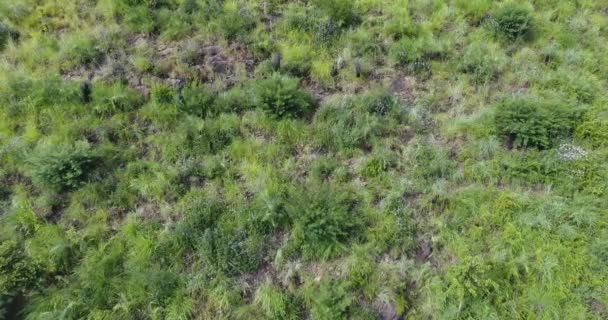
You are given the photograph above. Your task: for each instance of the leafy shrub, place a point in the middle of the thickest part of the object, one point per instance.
(213, 135)
(378, 101)
(341, 11)
(280, 96)
(594, 128)
(139, 19)
(236, 20)
(297, 59)
(275, 304)
(6, 33)
(331, 300)
(481, 62)
(534, 123)
(415, 53)
(18, 274)
(326, 30)
(474, 10)
(375, 166)
(234, 100)
(63, 167)
(115, 98)
(162, 94)
(324, 222)
(197, 100)
(513, 21)
(231, 250)
(406, 51)
(82, 50)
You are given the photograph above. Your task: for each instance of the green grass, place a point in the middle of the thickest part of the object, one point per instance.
(463, 175)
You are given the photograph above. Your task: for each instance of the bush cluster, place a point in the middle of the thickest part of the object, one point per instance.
(530, 122)
(63, 167)
(514, 21)
(280, 96)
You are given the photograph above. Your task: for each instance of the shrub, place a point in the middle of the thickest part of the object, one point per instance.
(325, 221)
(280, 96)
(480, 62)
(297, 59)
(82, 50)
(6, 34)
(514, 21)
(163, 94)
(116, 98)
(231, 250)
(594, 128)
(378, 101)
(18, 273)
(331, 300)
(235, 20)
(234, 100)
(63, 167)
(341, 11)
(197, 100)
(532, 123)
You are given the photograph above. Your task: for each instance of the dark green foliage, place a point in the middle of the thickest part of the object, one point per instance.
(231, 251)
(163, 94)
(63, 167)
(110, 99)
(514, 21)
(235, 21)
(18, 274)
(325, 221)
(197, 100)
(331, 300)
(529, 122)
(237, 99)
(280, 96)
(6, 33)
(326, 30)
(480, 62)
(340, 11)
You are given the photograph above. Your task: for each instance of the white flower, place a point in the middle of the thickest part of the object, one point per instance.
(570, 152)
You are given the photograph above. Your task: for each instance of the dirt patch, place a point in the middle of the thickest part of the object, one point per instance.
(403, 86)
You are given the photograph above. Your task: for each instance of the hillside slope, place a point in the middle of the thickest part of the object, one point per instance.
(321, 159)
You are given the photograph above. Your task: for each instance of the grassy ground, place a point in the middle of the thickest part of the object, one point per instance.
(156, 162)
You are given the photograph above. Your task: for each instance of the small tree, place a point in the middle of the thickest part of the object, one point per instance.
(63, 168)
(280, 96)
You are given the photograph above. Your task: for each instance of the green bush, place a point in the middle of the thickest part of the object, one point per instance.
(514, 21)
(197, 100)
(162, 94)
(594, 127)
(6, 33)
(529, 122)
(234, 100)
(331, 300)
(18, 274)
(236, 20)
(325, 221)
(341, 11)
(115, 98)
(482, 63)
(280, 96)
(82, 50)
(63, 167)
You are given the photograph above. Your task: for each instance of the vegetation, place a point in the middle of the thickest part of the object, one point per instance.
(323, 159)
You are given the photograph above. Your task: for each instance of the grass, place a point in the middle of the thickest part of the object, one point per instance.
(154, 163)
